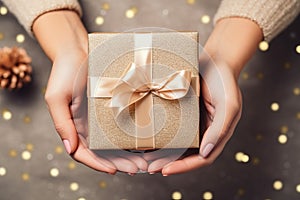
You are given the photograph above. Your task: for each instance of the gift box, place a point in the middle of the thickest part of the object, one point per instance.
(143, 90)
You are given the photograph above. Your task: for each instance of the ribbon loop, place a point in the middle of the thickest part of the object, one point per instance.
(134, 85)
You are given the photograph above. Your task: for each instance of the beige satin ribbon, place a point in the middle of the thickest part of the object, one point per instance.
(136, 86)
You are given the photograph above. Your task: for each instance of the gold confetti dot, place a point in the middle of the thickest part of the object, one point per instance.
(26, 119)
(26, 155)
(44, 90)
(207, 195)
(296, 91)
(191, 1)
(263, 46)
(20, 38)
(1, 36)
(259, 137)
(287, 65)
(105, 6)
(274, 106)
(205, 19)
(176, 196)
(12, 153)
(29, 147)
(245, 158)
(49, 156)
(298, 115)
(245, 75)
(298, 188)
(99, 20)
(6, 114)
(284, 129)
(72, 165)
(81, 198)
(102, 184)
(25, 177)
(165, 12)
(298, 49)
(2, 171)
(255, 161)
(74, 186)
(241, 192)
(239, 156)
(260, 75)
(54, 172)
(59, 150)
(130, 13)
(134, 9)
(282, 139)
(3, 10)
(277, 185)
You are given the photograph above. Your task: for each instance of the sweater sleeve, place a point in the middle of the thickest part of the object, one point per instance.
(272, 16)
(28, 11)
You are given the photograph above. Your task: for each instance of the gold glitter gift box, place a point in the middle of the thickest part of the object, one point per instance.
(143, 90)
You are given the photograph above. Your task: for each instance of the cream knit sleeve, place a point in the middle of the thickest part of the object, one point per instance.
(27, 11)
(271, 15)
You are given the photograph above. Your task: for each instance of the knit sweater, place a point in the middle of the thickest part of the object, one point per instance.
(27, 11)
(272, 16)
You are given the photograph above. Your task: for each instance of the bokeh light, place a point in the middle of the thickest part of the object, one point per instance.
(263, 46)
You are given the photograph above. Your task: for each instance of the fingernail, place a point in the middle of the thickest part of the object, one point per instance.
(142, 171)
(67, 146)
(131, 174)
(165, 175)
(151, 173)
(208, 148)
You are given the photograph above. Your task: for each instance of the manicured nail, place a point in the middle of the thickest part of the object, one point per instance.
(131, 174)
(142, 171)
(151, 173)
(207, 149)
(67, 146)
(165, 175)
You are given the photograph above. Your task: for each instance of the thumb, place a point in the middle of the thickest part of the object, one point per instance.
(63, 122)
(222, 126)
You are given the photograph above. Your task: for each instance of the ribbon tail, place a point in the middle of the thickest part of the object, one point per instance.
(144, 119)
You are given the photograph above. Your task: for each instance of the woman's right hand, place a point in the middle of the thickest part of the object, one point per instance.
(64, 39)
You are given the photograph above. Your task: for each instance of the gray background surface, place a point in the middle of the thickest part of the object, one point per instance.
(272, 76)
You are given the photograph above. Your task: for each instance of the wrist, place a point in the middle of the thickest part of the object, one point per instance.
(61, 33)
(233, 42)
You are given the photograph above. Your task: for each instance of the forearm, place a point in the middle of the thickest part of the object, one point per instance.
(60, 33)
(234, 41)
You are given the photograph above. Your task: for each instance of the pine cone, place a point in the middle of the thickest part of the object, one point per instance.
(15, 69)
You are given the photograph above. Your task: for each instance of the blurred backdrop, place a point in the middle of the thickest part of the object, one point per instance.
(261, 161)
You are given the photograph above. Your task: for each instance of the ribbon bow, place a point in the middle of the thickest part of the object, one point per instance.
(135, 85)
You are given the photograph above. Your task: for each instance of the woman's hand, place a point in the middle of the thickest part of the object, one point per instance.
(222, 103)
(64, 39)
(229, 47)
